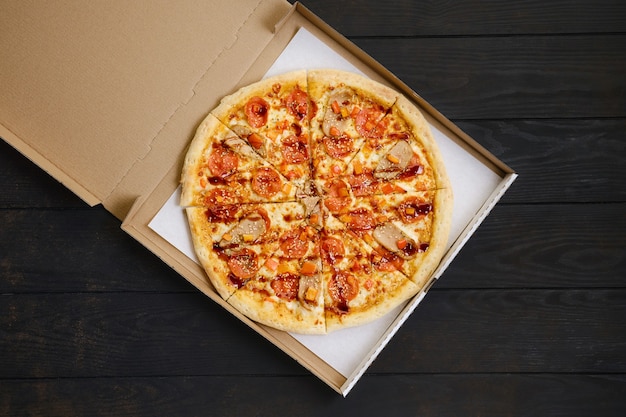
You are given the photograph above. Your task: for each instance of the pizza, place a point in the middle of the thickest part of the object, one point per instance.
(317, 200)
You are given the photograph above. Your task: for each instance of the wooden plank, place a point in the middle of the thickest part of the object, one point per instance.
(574, 245)
(452, 331)
(23, 184)
(544, 246)
(376, 395)
(82, 250)
(558, 160)
(129, 334)
(459, 17)
(520, 77)
(516, 331)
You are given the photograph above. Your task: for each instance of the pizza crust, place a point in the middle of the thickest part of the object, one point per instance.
(388, 291)
(279, 314)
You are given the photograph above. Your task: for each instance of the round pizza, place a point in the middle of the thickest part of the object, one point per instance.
(316, 200)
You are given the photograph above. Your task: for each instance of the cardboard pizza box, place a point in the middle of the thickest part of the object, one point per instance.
(107, 96)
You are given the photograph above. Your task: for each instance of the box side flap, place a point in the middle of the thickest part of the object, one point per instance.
(87, 86)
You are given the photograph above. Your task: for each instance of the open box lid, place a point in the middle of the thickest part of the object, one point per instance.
(92, 91)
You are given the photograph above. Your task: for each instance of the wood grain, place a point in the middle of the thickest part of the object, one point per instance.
(129, 334)
(25, 185)
(452, 331)
(547, 246)
(519, 77)
(362, 18)
(511, 331)
(558, 160)
(528, 320)
(423, 395)
(78, 250)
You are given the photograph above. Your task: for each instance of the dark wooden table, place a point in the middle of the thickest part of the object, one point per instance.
(529, 320)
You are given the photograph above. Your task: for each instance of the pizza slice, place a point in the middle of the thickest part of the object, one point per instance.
(287, 291)
(348, 109)
(264, 260)
(272, 116)
(233, 241)
(219, 161)
(403, 157)
(407, 232)
(356, 290)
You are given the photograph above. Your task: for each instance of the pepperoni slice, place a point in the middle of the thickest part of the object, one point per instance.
(332, 249)
(336, 205)
(338, 197)
(257, 110)
(360, 221)
(386, 261)
(224, 214)
(366, 121)
(295, 149)
(222, 161)
(363, 184)
(236, 281)
(286, 286)
(221, 205)
(220, 197)
(266, 182)
(338, 188)
(297, 103)
(263, 213)
(342, 288)
(338, 147)
(244, 264)
(312, 110)
(292, 245)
